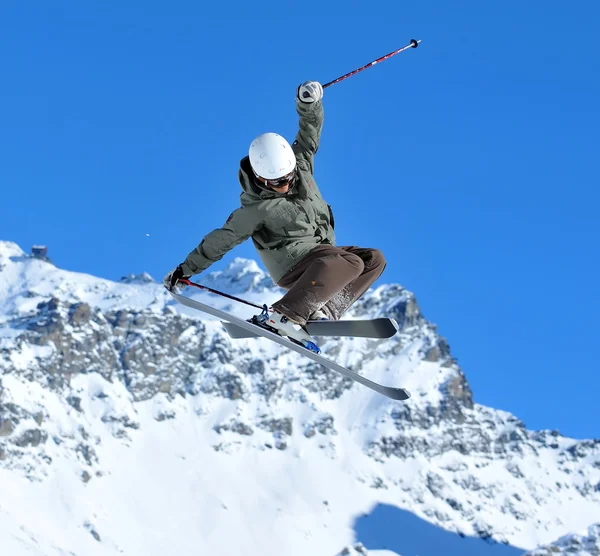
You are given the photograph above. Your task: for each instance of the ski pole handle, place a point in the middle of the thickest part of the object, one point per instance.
(413, 44)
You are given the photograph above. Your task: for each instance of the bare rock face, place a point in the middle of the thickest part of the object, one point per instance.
(357, 549)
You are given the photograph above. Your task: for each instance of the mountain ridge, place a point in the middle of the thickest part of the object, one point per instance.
(88, 365)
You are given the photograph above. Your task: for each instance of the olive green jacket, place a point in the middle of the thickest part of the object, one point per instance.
(284, 227)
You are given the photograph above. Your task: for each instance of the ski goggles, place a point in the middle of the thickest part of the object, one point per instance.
(278, 183)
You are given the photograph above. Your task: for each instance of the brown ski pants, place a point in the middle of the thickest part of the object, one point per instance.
(328, 278)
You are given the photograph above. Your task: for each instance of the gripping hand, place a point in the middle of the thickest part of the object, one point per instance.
(309, 92)
(171, 279)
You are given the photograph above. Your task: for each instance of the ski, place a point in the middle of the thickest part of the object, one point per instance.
(370, 328)
(388, 391)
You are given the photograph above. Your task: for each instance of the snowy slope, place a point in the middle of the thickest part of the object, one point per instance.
(131, 425)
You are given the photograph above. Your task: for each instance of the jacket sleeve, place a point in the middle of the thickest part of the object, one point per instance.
(240, 225)
(308, 137)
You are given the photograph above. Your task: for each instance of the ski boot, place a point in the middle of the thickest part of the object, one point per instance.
(280, 324)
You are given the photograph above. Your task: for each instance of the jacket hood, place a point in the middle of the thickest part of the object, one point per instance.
(253, 191)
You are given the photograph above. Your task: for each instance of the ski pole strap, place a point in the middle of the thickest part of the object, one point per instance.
(217, 292)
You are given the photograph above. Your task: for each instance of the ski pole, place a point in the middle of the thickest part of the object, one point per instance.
(413, 44)
(217, 292)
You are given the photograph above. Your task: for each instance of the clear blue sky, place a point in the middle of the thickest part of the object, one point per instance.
(472, 162)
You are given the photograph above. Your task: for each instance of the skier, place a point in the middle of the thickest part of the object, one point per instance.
(291, 227)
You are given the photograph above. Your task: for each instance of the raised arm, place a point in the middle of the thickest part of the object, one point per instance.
(310, 109)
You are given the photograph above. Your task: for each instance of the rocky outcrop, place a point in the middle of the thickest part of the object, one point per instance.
(575, 545)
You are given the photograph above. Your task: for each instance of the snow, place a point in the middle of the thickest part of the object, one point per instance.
(157, 477)
(28, 281)
(198, 497)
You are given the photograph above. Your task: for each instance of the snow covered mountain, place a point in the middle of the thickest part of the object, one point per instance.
(132, 425)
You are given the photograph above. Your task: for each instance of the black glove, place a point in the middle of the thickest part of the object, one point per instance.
(171, 279)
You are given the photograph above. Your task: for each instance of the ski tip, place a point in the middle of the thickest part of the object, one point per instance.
(399, 394)
(394, 328)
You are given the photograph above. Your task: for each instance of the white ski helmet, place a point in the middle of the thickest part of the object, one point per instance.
(272, 159)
